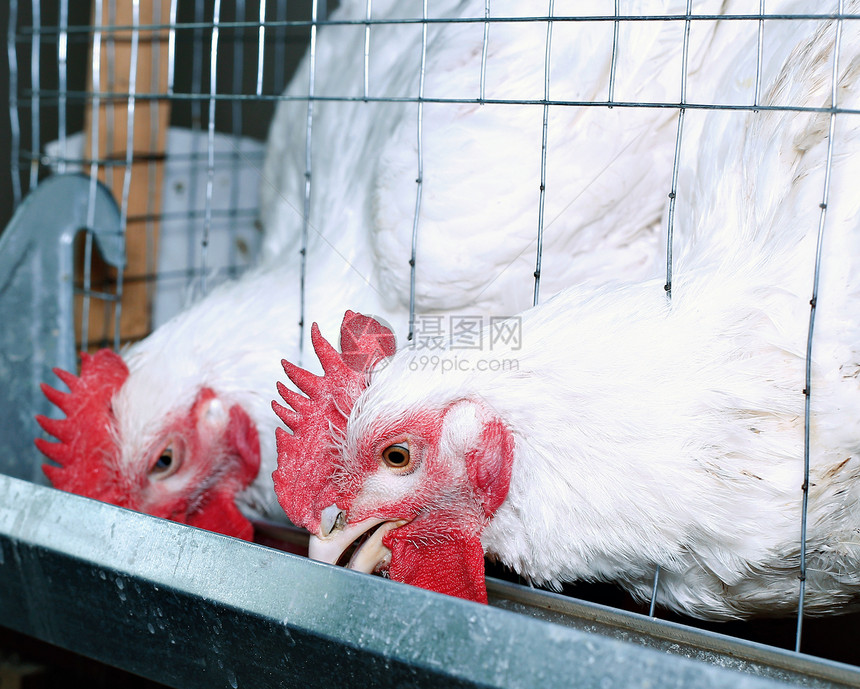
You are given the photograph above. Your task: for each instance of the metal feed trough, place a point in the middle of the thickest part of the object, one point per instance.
(190, 608)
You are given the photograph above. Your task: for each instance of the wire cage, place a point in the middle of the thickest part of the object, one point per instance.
(164, 121)
(169, 105)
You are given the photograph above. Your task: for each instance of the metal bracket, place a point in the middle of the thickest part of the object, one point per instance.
(36, 308)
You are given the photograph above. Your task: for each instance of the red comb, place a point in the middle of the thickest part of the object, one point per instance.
(84, 436)
(305, 456)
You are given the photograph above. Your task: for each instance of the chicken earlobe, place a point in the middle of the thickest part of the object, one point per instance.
(489, 465)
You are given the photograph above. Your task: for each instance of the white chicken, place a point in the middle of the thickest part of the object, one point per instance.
(625, 432)
(608, 170)
(177, 427)
(180, 427)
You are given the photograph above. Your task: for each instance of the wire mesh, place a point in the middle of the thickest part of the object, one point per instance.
(807, 389)
(306, 207)
(419, 180)
(72, 71)
(253, 47)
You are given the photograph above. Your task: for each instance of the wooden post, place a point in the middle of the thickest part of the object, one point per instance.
(149, 135)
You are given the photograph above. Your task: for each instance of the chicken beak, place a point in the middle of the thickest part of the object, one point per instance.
(372, 555)
(331, 518)
(368, 557)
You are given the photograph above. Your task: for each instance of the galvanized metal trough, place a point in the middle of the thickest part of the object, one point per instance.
(191, 608)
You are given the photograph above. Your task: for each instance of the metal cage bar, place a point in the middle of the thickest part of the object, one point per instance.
(419, 180)
(813, 303)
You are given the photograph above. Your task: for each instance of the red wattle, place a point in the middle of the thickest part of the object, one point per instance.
(221, 515)
(452, 567)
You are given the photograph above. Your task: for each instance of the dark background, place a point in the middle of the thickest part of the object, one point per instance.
(5, 132)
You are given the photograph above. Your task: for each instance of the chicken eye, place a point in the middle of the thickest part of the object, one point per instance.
(396, 456)
(165, 465)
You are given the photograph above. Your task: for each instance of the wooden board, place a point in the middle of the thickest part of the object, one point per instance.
(148, 137)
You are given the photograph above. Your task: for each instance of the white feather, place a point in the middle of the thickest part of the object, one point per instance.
(655, 433)
(478, 222)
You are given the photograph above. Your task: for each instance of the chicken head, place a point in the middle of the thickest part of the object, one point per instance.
(415, 490)
(189, 472)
